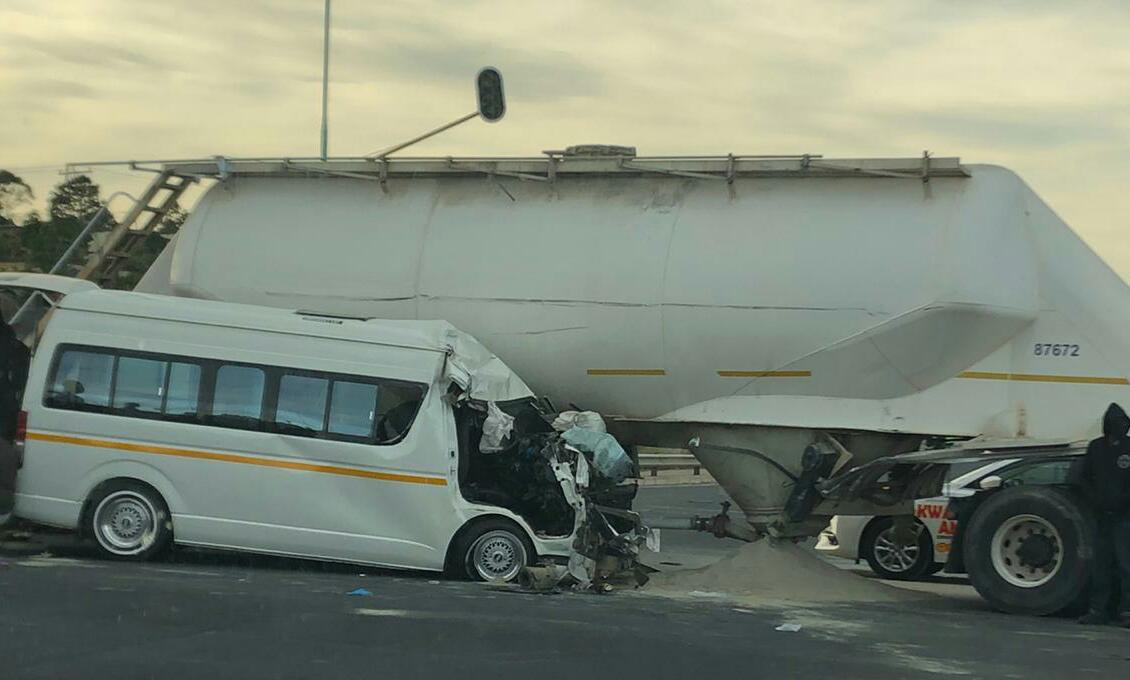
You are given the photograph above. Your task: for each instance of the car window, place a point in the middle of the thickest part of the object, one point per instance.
(183, 394)
(291, 401)
(82, 379)
(396, 409)
(1046, 472)
(958, 469)
(302, 403)
(139, 385)
(353, 409)
(238, 398)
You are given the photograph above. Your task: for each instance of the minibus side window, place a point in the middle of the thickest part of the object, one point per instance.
(396, 409)
(301, 408)
(82, 381)
(238, 398)
(182, 397)
(290, 401)
(139, 385)
(353, 409)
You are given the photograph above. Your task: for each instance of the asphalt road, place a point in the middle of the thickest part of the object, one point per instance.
(217, 615)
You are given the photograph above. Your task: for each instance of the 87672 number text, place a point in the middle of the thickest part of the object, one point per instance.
(1047, 349)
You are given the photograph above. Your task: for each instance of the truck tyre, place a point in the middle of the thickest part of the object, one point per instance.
(889, 558)
(493, 550)
(129, 521)
(1027, 550)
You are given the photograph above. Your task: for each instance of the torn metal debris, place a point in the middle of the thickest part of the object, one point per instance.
(577, 484)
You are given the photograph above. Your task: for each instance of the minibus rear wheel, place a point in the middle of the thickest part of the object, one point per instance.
(129, 521)
(492, 550)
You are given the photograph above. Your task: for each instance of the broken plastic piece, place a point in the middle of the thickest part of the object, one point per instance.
(609, 457)
(589, 420)
(496, 428)
(360, 592)
(707, 594)
(788, 627)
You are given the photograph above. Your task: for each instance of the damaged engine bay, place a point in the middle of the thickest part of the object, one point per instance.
(566, 477)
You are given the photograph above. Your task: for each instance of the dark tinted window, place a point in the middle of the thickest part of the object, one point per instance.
(196, 390)
(1042, 473)
(397, 405)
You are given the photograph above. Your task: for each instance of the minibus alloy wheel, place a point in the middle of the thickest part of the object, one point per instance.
(129, 521)
(495, 551)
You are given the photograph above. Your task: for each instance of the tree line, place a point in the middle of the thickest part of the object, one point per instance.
(37, 241)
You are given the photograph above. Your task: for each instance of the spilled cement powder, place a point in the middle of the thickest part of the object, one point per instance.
(772, 572)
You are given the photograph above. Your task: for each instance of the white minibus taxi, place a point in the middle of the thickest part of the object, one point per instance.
(149, 420)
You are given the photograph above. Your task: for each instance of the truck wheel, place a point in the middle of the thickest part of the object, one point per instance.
(129, 521)
(494, 550)
(1026, 550)
(891, 558)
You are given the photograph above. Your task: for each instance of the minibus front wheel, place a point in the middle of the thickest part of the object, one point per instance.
(493, 550)
(129, 520)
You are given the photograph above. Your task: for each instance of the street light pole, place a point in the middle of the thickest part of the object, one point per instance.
(325, 78)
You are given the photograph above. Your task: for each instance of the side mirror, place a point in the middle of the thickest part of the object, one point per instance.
(991, 482)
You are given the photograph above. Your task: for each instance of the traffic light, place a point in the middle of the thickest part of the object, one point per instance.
(492, 103)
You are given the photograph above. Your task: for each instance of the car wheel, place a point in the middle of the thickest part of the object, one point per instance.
(1026, 550)
(129, 521)
(890, 557)
(494, 551)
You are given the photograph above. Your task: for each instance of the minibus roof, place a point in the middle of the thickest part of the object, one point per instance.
(469, 364)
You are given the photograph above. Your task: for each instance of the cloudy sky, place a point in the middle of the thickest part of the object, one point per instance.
(1042, 87)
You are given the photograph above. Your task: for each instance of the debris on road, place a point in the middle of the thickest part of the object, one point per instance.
(772, 570)
(709, 594)
(788, 627)
(359, 592)
(573, 484)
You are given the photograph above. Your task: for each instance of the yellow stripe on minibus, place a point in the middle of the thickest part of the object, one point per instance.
(235, 458)
(1037, 377)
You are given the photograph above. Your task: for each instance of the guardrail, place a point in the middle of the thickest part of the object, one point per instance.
(652, 463)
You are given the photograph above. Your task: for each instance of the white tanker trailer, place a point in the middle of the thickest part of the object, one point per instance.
(752, 308)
